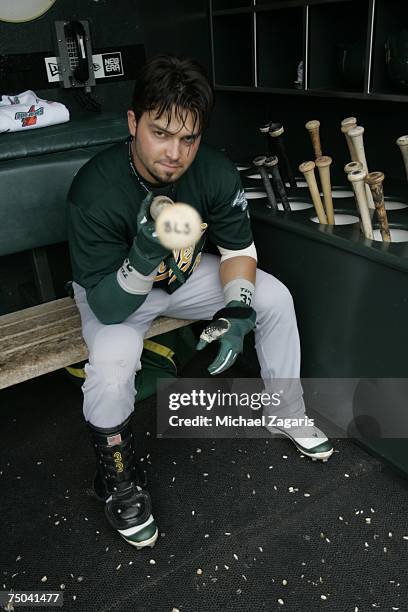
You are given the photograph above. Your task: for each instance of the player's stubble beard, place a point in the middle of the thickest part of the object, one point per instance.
(153, 177)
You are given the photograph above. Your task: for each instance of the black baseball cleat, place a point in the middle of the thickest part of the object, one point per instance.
(308, 439)
(120, 483)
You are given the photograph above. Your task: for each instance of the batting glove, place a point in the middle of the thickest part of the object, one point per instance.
(147, 252)
(230, 325)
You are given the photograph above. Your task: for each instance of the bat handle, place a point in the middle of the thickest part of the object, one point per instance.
(375, 182)
(307, 169)
(323, 163)
(356, 178)
(276, 133)
(313, 127)
(356, 134)
(346, 125)
(272, 164)
(259, 164)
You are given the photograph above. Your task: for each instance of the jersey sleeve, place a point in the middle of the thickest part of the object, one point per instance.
(95, 249)
(95, 269)
(230, 225)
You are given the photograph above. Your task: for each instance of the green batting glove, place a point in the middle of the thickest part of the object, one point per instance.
(230, 325)
(147, 252)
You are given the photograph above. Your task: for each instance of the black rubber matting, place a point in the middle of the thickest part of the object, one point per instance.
(245, 525)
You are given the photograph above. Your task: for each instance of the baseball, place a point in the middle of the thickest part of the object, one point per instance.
(178, 226)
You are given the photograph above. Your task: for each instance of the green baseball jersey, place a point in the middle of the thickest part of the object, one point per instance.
(104, 200)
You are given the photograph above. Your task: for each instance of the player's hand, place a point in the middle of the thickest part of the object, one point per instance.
(147, 251)
(230, 326)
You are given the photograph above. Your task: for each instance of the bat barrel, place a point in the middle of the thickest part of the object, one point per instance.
(375, 182)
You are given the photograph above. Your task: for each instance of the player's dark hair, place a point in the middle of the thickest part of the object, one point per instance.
(166, 82)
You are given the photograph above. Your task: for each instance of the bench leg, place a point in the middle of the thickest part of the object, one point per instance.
(42, 275)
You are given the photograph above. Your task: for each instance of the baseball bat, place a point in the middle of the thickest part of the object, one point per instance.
(158, 204)
(259, 163)
(356, 135)
(353, 165)
(276, 131)
(313, 127)
(402, 142)
(307, 169)
(264, 129)
(356, 178)
(323, 164)
(346, 125)
(375, 182)
(271, 163)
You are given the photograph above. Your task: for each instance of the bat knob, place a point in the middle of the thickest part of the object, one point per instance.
(349, 121)
(271, 161)
(307, 166)
(259, 161)
(323, 161)
(375, 178)
(356, 175)
(178, 226)
(354, 165)
(264, 129)
(402, 141)
(158, 204)
(357, 130)
(275, 129)
(312, 125)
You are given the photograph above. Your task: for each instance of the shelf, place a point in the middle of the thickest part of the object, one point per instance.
(257, 45)
(337, 46)
(233, 49)
(390, 18)
(221, 5)
(279, 37)
(316, 92)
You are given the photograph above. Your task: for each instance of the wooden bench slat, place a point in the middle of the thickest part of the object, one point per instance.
(38, 335)
(35, 311)
(32, 324)
(48, 337)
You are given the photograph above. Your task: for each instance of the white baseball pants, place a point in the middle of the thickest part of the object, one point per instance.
(115, 350)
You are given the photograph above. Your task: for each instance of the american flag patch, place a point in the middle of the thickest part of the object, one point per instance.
(114, 440)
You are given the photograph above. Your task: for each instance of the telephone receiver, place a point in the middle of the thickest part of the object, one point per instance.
(75, 31)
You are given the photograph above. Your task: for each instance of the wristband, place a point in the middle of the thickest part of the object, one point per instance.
(131, 281)
(239, 290)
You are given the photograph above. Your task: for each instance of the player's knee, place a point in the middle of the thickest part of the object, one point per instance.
(273, 298)
(116, 353)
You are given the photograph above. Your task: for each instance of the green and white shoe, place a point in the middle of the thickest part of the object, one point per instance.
(308, 439)
(120, 483)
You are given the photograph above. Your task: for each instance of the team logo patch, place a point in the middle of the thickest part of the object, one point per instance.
(30, 117)
(240, 200)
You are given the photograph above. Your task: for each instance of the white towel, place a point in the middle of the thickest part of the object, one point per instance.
(27, 111)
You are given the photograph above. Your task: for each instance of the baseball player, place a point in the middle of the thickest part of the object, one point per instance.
(124, 278)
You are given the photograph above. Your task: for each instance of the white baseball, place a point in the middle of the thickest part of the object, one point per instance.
(178, 226)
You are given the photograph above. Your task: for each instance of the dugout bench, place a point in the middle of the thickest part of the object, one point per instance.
(36, 170)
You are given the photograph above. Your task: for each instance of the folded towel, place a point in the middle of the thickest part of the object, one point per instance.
(27, 111)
